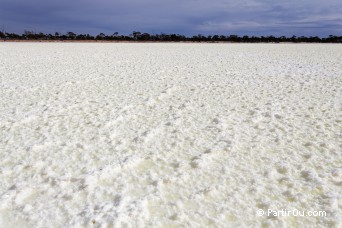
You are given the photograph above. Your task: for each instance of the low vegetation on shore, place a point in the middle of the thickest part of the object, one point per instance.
(139, 36)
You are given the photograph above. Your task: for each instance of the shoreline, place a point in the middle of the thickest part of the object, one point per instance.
(127, 41)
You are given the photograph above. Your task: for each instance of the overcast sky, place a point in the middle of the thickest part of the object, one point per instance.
(188, 17)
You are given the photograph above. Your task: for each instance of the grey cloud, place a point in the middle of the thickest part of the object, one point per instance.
(251, 17)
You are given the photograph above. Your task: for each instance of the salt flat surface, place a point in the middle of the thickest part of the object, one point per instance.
(168, 135)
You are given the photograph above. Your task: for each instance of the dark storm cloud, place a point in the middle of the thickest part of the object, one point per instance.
(251, 17)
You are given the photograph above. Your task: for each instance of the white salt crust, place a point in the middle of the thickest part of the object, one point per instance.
(168, 135)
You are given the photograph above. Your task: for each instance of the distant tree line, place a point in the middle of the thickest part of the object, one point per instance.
(139, 36)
